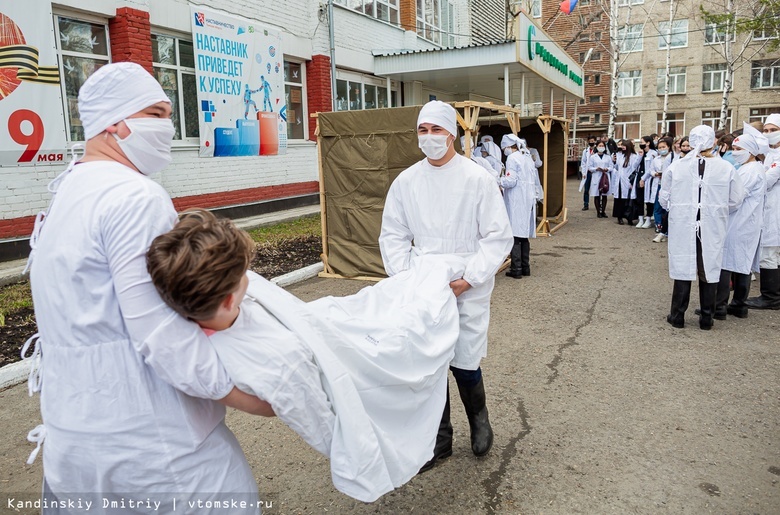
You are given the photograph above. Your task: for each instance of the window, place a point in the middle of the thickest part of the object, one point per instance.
(765, 74)
(584, 37)
(294, 96)
(675, 123)
(595, 100)
(587, 78)
(584, 2)
(582, 101)
(583, 118)
(355, 92)
(630, 83)
(679, 34)
(712, 118)
(765, 34)
(759, 114)
(385, 10)
(597, 118)
(536, 8)
(630, 38)
(174, 69)
(714, 33)
(623, 3)
(597, 36)
(676, 80)
(435, 21)
(595, 56)
(83, 48)
(597, 79)
(713, 76)
(627, 126)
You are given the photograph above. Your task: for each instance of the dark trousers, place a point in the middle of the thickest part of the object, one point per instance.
(520, 256)
(601, 203)
(586, 191)
(741, 283)
(649, 207)
(681, 295)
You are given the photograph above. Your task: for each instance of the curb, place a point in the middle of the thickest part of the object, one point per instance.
(16, 373)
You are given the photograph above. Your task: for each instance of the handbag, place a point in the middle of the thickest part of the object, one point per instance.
(604, 183)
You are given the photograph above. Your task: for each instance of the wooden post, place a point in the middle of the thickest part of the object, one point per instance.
(323, 208)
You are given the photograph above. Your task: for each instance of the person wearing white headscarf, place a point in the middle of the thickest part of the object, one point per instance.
(447, 204)
(742, 247)
(699, 191)
(769, 278)
(478, 157)
(492, 153)
(522, 190)
(128, 387)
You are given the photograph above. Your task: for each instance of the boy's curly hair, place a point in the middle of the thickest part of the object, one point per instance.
(199, 262)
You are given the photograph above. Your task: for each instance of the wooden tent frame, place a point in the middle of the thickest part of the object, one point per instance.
(469, 122)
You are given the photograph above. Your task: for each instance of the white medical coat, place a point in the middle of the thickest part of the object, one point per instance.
(598, 161)
(621, 187)
(451, 209)
(654, 170)
(770, 232)
(537, 160)
(742, 240)
(521, 191)
(488, 166)
(126, 382)
(722, 193)
(362, 379)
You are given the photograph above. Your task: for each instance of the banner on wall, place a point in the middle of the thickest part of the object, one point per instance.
(239, 68)
(32, 124)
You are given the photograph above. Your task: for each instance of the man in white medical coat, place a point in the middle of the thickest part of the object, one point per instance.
(447, 204)
(699, 191)
(128, 387)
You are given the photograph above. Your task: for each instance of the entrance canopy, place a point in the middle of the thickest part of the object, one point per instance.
(528, 69)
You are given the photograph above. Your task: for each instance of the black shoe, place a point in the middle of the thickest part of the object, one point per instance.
(517, 274)
(769, 284)
(620, 221)
(675, 323)
(443, 447)
(477, 414)
(737, 311)
(526, 272)
(705, 323)
(584, 208)
(719, 315)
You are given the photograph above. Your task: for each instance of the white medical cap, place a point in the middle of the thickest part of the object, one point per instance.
(510, 140)
(486, 137)
(113, 93)
(774, 119)
(752, 141)
(441, 114)
(702, 138)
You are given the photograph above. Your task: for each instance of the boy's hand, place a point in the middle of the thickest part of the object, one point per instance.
(249, 403)
(459, 286)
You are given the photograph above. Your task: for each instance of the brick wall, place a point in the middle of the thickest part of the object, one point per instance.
(130, 34)
(408, 14)
(318, 89)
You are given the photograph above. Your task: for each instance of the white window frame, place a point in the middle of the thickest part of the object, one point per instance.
(583, 119)
(180, 71)
(675, 78)
(630, 38)
(363, 80)
(714, 118)
(536, 8)
(670, 121)
(304, 99)
(761, 35)
(63, 54)
(721, 72)
(759, 114)
(712, 36)
(427, 29)
(369, 8)
(770, 66)
(626, 3)
(622, 126)
(632, 80)
(679, 28)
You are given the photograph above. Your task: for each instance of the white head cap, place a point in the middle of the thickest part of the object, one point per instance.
(774, 119)
(441, 114)
(702, 138)
(486, 137)
(113, 93)
(510, 140)
(752, 140)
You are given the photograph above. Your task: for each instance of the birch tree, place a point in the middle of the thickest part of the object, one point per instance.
(667, 70)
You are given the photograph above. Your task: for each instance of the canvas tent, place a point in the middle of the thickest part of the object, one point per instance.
(362, 152)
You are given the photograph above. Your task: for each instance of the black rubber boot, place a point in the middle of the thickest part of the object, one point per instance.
(707, 294)
(722, 294)
(443, 447)
(525, 256)
(770, 290)
(681, 294)
(737, 307)
(477, 413)
(515, 257)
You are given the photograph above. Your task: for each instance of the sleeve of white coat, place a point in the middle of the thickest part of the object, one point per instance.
(665, 194)
(538, 190)
(509, 180)
(736, 191)
(395, 237)
(584, 162)
(537, 160)
(177, 350)
(773, 176)
(495, 236)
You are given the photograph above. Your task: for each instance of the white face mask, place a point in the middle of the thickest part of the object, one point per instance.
(507, 151)
(148, 146)
(600, 150)
(773, 137)
(740, 156)
(433, 145)
(663, 152)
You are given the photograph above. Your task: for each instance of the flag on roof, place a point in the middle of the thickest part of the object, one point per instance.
(568, 6)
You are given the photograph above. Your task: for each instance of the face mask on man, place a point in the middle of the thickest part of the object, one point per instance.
(600, 150)
(773, 137)
(591, 143)
(740, 156)
(148, 146)
(433, 145)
